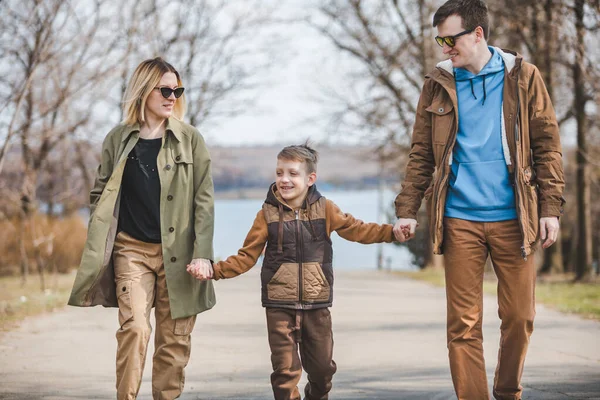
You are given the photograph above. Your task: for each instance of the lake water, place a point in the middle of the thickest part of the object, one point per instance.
(233, 219)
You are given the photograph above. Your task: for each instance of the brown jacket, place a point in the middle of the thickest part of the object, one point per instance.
(297, 269)
(530, 133)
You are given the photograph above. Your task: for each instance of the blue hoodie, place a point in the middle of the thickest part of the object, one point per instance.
(480, 188)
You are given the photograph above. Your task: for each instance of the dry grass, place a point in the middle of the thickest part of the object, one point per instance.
(18, 301)
(57, 242)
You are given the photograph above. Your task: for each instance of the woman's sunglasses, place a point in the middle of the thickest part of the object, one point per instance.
(451, 40)
(167, 91)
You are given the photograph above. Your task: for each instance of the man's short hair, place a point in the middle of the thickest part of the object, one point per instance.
(473, 13)
(303, 153)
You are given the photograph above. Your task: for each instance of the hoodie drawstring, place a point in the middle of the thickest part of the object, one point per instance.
(473, 90)
(484, 93)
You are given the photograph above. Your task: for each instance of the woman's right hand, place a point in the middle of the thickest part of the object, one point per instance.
(200, 268)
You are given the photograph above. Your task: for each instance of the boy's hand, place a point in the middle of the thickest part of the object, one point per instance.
(200, 268)
(404, 229)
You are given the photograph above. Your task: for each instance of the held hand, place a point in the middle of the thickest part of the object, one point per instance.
(404, 229)
(549, 227)
(200, 268)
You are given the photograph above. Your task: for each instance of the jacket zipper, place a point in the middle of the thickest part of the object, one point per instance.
(517, 191)
(299, 255)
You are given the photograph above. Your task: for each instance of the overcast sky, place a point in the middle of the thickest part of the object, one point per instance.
(284, 103)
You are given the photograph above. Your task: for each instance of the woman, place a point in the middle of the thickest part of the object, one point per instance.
(151, 215)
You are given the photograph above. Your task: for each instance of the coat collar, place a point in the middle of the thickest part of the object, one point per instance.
(173, 125)
(509, 57)
(273, 197)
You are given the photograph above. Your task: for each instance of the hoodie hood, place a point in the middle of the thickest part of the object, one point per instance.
(493, 66)
(509, 58)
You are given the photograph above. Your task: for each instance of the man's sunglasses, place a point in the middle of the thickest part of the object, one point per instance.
(451, 40)
(167, 91)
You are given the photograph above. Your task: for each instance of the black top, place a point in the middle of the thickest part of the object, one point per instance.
(139, 215)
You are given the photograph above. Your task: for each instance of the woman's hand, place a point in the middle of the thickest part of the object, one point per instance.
(200, 268)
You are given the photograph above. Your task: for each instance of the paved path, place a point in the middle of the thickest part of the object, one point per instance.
(389, 344)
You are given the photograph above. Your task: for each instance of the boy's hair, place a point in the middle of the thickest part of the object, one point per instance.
(303, 153)
(473, 13)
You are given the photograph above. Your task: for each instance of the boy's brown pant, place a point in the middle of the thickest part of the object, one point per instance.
(466, 248)
(310, 332)
(141, 283)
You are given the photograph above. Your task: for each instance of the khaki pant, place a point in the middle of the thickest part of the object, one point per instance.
(466, 248)
(310, 332)
(141, 283)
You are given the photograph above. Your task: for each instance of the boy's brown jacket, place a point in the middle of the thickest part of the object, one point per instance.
(297, 269)
(531, 144)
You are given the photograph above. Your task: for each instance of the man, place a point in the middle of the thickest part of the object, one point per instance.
(486, 156)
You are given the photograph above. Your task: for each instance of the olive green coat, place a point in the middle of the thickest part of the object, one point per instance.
(186, 218)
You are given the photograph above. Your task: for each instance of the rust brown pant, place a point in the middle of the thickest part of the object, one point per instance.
(310, 332)
(141, 283)
(466, 248)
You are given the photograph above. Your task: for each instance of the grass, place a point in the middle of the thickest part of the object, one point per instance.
(558, 292)
(18, 302)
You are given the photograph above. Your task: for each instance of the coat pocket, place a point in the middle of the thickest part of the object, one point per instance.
(429, 207)
(284, 284)
(124, 300)
(315, 286)
(442, 120)
(530, 190)
(184, 326)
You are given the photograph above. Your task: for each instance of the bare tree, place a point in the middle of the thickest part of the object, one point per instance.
(54, 63)
(389, 48)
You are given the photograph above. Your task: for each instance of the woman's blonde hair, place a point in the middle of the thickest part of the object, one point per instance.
(143, 81)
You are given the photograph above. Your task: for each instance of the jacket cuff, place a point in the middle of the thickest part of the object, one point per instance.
(217, 273)
(404, 213)
(551, 210)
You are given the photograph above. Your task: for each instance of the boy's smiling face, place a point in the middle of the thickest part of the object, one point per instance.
(293, 181)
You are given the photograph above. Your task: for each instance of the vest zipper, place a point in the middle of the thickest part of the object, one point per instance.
(299, 256)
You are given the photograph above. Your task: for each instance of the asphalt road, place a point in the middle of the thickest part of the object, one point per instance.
(389, 344)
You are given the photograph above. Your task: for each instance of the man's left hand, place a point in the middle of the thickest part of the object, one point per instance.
(549, 227)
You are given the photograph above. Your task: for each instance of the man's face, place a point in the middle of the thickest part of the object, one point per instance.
(463, 54)
(293, 181)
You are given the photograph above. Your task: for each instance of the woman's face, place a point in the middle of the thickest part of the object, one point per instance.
(157, 107)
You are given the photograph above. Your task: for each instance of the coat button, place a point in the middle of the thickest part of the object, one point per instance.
(177, 158)
(440, 110)
(169, 197)
(171, 229)
(168, 167)
(173, 259)
(124, 288)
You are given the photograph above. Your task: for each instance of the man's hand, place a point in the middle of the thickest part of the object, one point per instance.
(404, 229)
(549, 227)
(200, 268)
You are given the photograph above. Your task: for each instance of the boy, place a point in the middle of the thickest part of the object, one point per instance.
(297, 275)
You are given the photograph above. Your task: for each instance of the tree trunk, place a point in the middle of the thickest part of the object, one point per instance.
(583, 261)
(553, 259)
(23, 250)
